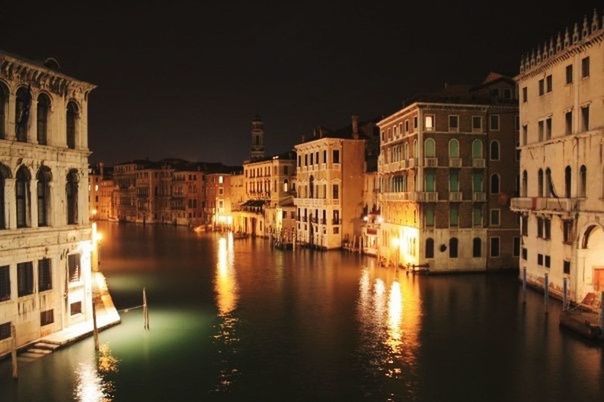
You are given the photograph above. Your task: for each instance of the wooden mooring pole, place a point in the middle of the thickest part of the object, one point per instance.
(565, 294)
(145, 310)
(13, 351)
(524, 285)
(95, 330)
(546, 292)
(602, 311)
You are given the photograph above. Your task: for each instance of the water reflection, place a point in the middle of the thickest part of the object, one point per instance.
(92, 380)
(389, 312)
(227, 295)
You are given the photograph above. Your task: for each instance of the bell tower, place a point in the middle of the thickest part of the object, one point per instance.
(257, 148)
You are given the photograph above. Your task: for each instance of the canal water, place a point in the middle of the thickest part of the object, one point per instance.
(236, 320)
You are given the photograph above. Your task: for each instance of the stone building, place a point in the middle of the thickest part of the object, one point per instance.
(45, 234)
(101, 190)
(329, 182)
(562, 173)
(187, 202)
(448, 168)
(371, 213)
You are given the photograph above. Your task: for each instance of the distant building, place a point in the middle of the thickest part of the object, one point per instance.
(45, 247)
(448, 169)
(561, 169)
(257, 148)
(187, 201)
(101, 197)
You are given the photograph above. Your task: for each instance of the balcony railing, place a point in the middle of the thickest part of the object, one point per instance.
(455, 162)
(336, 221)
(430, 162)
(479, 196)
(544, 204)
(428, 196)
(455, 196)
(478, 163)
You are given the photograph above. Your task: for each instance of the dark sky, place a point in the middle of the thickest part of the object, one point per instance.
(184, 79)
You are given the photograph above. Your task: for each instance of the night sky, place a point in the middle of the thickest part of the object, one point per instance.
(184, 79)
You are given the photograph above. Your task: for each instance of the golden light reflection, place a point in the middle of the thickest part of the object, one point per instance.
(395, 310)
(226, 283)
(91, 384)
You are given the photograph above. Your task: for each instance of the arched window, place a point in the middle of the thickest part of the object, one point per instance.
(415, 148)
(3, 109)
(311, 187)
(285, 185)
(540, 183)
(476, 247)
(22, 113)
(494, 151)
(567, 181)
(429, 247)
(453, 148)
(494, 184)
(72, 117)
(43, 194)
(42, 116)
(548, 182)
(23, 197)
(406, 150)
(71, 192)
(453, 242)
(4, 174)
(429, 148)
(583, 181)
(477, 149)
(524, 183)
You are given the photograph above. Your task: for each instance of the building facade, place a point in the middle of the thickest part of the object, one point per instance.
(561, 166)
(448, 169)
(45, 234)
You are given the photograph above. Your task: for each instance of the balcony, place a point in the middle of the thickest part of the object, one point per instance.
(479, 196)
(551, 205)
(478, 163)
(428, 196)
(455, 162)
(455, 196)
(431, 162)
(403, 196)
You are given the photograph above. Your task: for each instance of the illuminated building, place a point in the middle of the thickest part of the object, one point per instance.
(448, 169)
(561, 203)
(45, 241)
(371, 213)
(101, 190)
(187, 200)
(257, 147)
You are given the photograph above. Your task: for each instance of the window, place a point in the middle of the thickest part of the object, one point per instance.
(494, 151)
(516, 250)
(476, 149)
(406, 126)
(220, 179)
(524, 225)
(494, 246)
(429, 148)
(75, 308)
(524, 188)
(453, 148)
(453, 123)
(453, 215)
(71, 119)
(585, 118)
(547, 229)
(540, 183)
(453, 242)
(71, 192)
(541, 126)
(524, 94)
(477, 182)
(429, 215)
(43, 193)
(336, 156)
(47, 317)
(477, 216)
(454, 180)
(285, 185)
(567, 231)
(23, 197)
(567, 181)
(548, 128)
(541, 87)
(583, 181)
(495, 216)
(23, 103)
(429, 247)
(429, 123)
(476, 123)
(568, 120)
(42, 116)
(540, 227)
(324, 159)
(547, 261)
(548, 183)
(335, 192)
(25, 278)
(476, 247)
(430, 177)
(524, 254)
(540, 259)
(494, 183)
(415, 122)
(3, 109)
(4, 283)
(566, 267)
(5, 331)
(494, 122)
(548, 83)
(44, 275)
(312, 159)
(585, 67)
(73, 264)
(569, 74)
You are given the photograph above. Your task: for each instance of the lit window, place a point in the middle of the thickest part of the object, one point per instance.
(429, 123)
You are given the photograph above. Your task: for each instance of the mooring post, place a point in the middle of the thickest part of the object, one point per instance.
(524, 285)
(13, 351)
(546, 292)
(95, 330)
(565, 294)
(145, 310)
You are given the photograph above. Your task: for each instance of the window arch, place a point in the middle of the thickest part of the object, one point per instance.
(567, 181)
(476, 247)
(540, 183)
(453, 243)
(429, 247)
(71, 123)
(477, 149)
(43, 178)
(453, 148)
(495, 183)
(23, 197)
(22, 113)
(429, 148)
(583, 181)
(406, 151)
(4, 174)
(43, 110)
(3, 109)
(494, 151)
(524, 183)
(71, 193)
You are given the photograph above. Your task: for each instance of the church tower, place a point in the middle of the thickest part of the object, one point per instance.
(257, 149)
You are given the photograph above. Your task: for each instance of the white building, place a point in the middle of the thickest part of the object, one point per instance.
(45, 235)
(562, 171)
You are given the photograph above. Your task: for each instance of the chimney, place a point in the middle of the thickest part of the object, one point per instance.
(355, 126)
(101, 166)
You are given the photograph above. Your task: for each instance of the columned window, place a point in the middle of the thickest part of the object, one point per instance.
(583, 181)
(4, 174)
(42, 116)
(23, 197)
(453, 148)
(22, 113)
(3, 109)
(72, 117)
(43, 194)
(71, 190)
(477, 149)
(429, 148)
